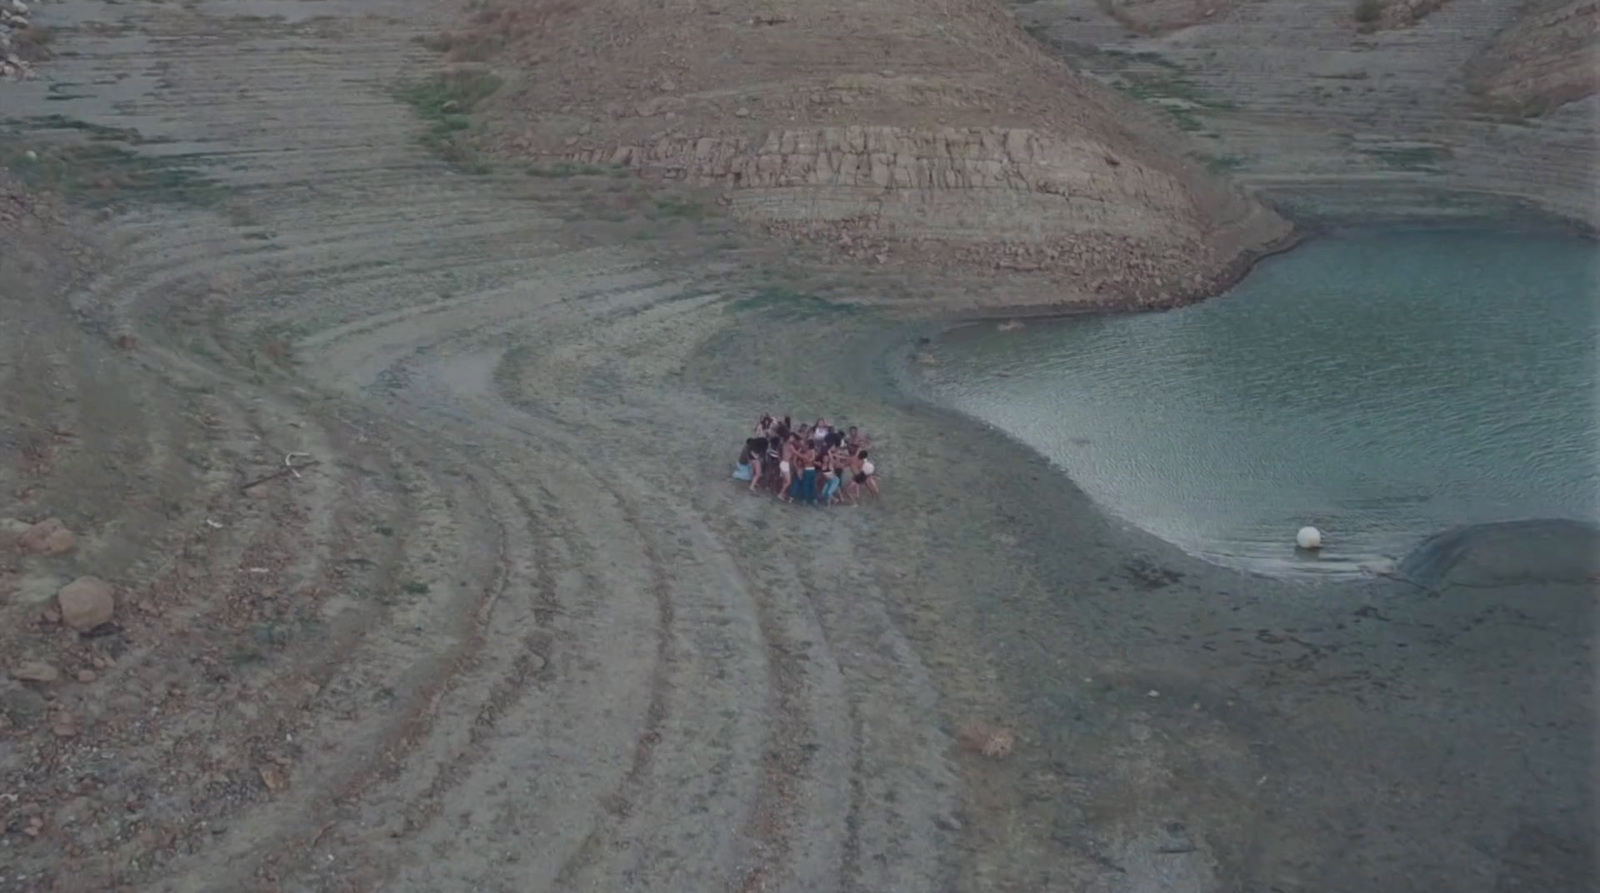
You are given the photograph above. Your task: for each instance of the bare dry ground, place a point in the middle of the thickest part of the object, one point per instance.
(510, 632)
(932, 134)
(1361, 111)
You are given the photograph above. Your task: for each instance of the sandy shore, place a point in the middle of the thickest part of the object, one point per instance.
(1188, 727)
(518, 629)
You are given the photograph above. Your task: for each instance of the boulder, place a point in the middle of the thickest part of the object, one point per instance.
(34, 671)
(86, 603)
(48, 537)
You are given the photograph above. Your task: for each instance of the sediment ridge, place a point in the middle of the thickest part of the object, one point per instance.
(960, 145)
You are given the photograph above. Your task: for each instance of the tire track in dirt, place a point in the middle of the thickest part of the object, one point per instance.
(538, 662)
(618, 802)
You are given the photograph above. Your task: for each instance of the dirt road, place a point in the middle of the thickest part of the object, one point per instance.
(504, 635)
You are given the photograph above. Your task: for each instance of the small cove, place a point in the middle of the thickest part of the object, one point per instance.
(1381, 385)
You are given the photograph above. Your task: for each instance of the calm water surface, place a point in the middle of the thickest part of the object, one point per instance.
(1382, 387)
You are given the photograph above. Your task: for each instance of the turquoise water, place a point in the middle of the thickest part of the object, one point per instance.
(1381, 387)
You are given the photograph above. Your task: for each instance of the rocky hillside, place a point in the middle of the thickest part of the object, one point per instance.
(1332, 117)
(1545, 59)
(931, 131)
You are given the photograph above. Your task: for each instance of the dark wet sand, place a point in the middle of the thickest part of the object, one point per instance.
(1183, 726)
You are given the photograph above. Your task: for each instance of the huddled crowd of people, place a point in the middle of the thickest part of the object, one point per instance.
(816, 464)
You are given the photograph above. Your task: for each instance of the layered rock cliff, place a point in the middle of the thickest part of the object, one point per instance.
(926, 130)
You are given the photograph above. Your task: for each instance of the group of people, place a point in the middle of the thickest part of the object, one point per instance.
(815, 464)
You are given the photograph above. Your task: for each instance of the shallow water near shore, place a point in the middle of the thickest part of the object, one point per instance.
(1382, 386)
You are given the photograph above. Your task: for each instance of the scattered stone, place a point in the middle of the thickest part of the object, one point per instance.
(13, 22)
(86, 603)
(741, 113)
(272, 777)
(993, 742)
(86, 676)
(48, 537)
(34, 671)
(64, 726)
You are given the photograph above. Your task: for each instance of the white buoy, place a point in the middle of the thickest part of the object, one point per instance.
(1309, 538)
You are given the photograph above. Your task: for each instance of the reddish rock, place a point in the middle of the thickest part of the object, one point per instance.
(34, 671)
(64, 726)
(86, 603)
(272, 777)
(48, 537)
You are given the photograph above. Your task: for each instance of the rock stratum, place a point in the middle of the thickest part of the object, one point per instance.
(1352, 112)
(1545, 59)
(940, 135)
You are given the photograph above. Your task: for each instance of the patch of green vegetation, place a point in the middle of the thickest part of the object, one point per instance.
(1180, 98)
(416, 588)
(63, 90)
(1224, 164)
(241, 657)
(568, 169)
(1408, 158)
(383, 530)
(1146, 56)
(1167, 87)
(268, 634)
(1185, 119)
(445, 102)
(688, 209)
(1367, 12)
(788, 304)
(99, 175)
(91, 130)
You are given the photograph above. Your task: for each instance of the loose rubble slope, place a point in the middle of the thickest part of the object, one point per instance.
(20, 42)
(939, 134)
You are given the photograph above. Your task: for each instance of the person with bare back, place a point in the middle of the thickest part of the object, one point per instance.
(818, 464)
